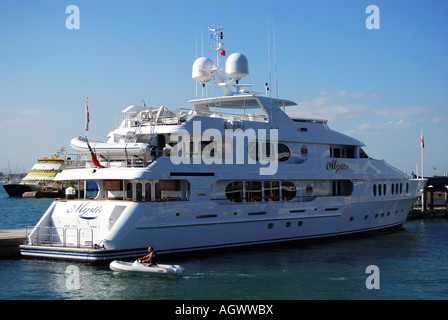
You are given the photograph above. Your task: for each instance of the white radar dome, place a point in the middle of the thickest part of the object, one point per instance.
(237, 66)
(202, 70)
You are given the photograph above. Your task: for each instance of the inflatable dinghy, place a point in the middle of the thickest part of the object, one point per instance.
(138, 267)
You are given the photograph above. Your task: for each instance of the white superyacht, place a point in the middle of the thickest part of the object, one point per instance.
(234, 170)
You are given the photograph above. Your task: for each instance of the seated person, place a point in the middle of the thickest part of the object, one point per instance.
(151, 258)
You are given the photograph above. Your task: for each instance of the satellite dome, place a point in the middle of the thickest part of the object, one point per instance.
(202, 70)
(237, 66)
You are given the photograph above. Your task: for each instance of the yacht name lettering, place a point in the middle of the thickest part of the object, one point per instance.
(335, 166)
(84, 208)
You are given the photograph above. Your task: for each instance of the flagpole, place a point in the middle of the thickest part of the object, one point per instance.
(87, 117)
(422, 147)
(422, 144)
(95, 161)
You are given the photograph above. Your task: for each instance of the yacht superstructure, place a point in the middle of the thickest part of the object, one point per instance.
(233, 171)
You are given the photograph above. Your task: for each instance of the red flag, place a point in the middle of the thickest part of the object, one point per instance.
(95, 161)
(223, 52)
(422, 141)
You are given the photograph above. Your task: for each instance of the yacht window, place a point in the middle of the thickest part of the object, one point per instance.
(91, 189)
(129, 190)
(271, 191)
(283, 152)
(139, 191)
(256, 148)
(253, 191)
(345, 188)
(234, 191)
(336, 153)
(288, 190)
(148, 191)
(362, 153)
(252, 150)
(374, 190)
(343, 152)
(158, 194)
(350, 153)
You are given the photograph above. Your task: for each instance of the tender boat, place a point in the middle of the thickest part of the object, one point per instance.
(138, 267)
(235, 170)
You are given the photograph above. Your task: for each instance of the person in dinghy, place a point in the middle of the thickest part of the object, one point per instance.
(151, 259)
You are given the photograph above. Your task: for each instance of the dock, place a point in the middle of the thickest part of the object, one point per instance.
(435, 212)
(10, 241)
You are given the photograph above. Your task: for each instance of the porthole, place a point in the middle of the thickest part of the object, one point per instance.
(366, 217)
(300, 223)
(270, 225)
(352, 218)
(288, 224)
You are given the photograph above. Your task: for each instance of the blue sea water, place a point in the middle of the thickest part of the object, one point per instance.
(412, 264)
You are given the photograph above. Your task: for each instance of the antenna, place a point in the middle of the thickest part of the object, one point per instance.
(217, 32)
(196, 47)
(237, 67)
(268, 84)
(269, 59)
(275, 59)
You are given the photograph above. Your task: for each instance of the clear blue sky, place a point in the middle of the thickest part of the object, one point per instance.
(379, 86)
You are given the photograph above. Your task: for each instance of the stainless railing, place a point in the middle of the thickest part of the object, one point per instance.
(62, 237)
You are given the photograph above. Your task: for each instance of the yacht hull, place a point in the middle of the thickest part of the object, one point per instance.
(131, 239)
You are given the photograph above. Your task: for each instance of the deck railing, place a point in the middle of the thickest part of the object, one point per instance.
(61, 237)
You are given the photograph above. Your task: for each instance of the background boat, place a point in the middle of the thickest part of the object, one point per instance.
(39, 182)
